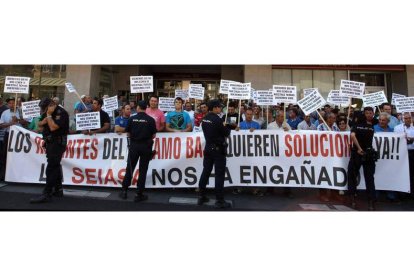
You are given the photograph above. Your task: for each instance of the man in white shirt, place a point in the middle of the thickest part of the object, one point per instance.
(408, 129)
(306, 124)
(279, 122)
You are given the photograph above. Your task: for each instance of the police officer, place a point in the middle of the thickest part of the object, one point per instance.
(215, 133)
(54, 123)
(362, 154)
(141, 131)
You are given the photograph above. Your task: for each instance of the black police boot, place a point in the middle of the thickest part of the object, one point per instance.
(41, 199)
(140, 197)
(371, 205)
(221, 204)
(202, 199)
(58, 193)
(123, 194)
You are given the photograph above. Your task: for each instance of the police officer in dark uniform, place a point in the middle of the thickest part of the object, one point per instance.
(362, 154)
(141, 130)
(215, 133)
(54, 123)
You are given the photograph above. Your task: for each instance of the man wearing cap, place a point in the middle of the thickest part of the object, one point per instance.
(215, 133)
(141, 131)
(85, 105)
(54, 123)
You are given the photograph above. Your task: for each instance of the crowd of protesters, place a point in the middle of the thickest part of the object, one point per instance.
(244, 116)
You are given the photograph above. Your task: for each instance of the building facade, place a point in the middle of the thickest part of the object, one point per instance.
(99, 80)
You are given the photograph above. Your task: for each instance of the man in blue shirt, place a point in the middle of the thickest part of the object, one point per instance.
(249, 124)
(122, 120)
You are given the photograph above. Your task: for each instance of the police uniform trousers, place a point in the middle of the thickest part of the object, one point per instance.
(55, 147)
(141, 151)
(217, 158)
(354, 167)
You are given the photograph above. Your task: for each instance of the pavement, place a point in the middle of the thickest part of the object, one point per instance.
(16, 197)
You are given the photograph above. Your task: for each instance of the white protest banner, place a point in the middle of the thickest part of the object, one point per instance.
(141, 84)
(284, 94)
(17, 85)
(335, 98)
(196, 84)
(166, 104)
(224, 86)
(31, 109)
(70, 87)
(352, 89)
(311, 102)
(404, 104)
(239, 91)
(305, 159)
(253, 94)
(374, 99)
(110, 104)
(265, 97)
(394, 96)
(88, 120)
(181, 93)
(196, 92)
(307, 91)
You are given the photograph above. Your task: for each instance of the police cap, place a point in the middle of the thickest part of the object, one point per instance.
(214, 103)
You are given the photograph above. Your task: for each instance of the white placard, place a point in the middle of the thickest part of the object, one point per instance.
(31, 109)
(253, 94)
(141, 84)
(352, 89)
(405, 104)
(374, 99)
(335, 98)
(70, 87)
(19, 85)
(394, 96)
(265, 97)
(182, 93)
(110, 104)
(239, 91)
(311, 102)
(88, 120)
(224, 86)
(196, 92)
(307, 91)
(285, 94)
(166, 104)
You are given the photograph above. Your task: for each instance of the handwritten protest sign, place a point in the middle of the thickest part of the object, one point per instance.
(405, 104)
(224, 86)
(70, 87)
(196, 92)
(395, 95)
(141, 84)
(17, 85)
(264, 97)
(110, 104)
(352, 89)
(30, 109)
(89, 120)
(335, 98)
(181, 93)
(239, 91)
(285, 94)
(311, 102)
(166, 104)
(374, 99)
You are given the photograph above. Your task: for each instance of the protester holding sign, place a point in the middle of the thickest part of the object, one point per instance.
(141, 131)
(199, 116)
(232, 116)
(362, 154)
(156, 113)
(105, 120)
(178, 120)
(55, 124)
